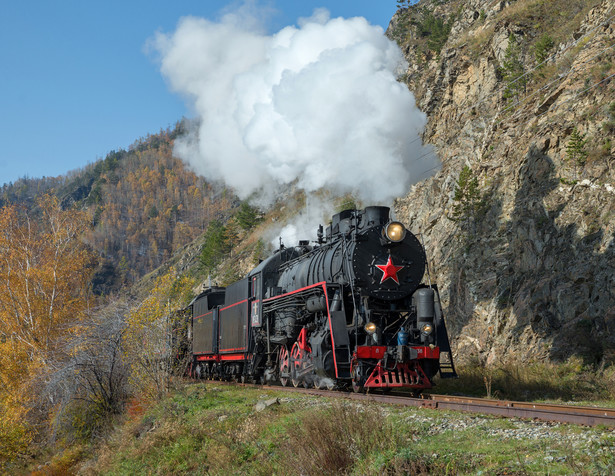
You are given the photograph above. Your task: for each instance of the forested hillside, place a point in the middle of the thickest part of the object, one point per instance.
(143, 204)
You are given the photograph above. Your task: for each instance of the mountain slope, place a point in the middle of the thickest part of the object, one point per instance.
(530, 270)
(144, 205)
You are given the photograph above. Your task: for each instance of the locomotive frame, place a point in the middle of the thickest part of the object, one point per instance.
(349, 311)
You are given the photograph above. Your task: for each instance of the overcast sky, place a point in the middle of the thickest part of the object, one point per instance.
(76, 81)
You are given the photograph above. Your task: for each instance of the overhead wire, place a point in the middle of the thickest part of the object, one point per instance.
(538, 115)
(561, 77)
(579, 93)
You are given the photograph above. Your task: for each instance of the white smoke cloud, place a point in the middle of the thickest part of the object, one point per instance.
(304, 225)
(316, 105)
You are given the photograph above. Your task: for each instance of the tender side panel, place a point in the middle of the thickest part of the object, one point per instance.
(203, 329)
(233, 319)
(204, 333)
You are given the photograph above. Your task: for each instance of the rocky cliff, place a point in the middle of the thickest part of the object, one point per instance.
(522, 93)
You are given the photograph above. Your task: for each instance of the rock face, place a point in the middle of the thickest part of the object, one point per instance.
(532, 276)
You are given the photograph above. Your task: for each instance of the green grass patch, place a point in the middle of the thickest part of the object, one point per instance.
(215, 429)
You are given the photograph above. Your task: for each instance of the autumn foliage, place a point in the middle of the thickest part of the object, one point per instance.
(71, 357)
(146, 205)
(44, 271)
(147, 338)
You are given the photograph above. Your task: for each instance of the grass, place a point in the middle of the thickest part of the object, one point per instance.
(215, 429)
(557, 18)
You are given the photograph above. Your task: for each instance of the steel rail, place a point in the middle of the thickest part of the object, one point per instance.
(579, 415)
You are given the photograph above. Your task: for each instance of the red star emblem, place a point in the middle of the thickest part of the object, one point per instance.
(389, 270)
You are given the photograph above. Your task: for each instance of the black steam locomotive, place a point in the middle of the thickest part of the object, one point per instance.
(348, 310)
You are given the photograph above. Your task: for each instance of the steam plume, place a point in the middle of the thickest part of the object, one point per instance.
(317, 105)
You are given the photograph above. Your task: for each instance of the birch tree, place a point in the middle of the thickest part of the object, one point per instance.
(44, 286)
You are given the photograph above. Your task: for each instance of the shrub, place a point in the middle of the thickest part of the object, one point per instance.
(431, 31)
(333, 440)
(526, 381)
(146, 339)
(609, 125)
(14, 439)
(259, 252)
(542, 48)
(435, 30)
(90, 383)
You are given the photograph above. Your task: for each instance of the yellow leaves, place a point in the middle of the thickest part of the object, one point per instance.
(147, 337)
(44, 269)
(154, 206)
(14, 434)
(44, 286)
(13, 362)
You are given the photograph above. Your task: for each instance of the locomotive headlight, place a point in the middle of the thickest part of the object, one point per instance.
(426, 329)
(395, 231)
(370, 328)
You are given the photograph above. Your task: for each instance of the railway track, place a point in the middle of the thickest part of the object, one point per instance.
(589, 416)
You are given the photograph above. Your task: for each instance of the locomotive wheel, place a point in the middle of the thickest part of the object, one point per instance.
(299, 360)
(284, 365)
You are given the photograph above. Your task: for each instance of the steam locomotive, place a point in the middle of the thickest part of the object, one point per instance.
(347, 310)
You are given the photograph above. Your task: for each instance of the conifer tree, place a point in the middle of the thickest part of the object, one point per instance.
(542, 48)
(215, 245)
(513, 70)
(467, 199)
(247, 216)
(232, 234)
(575, 150)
